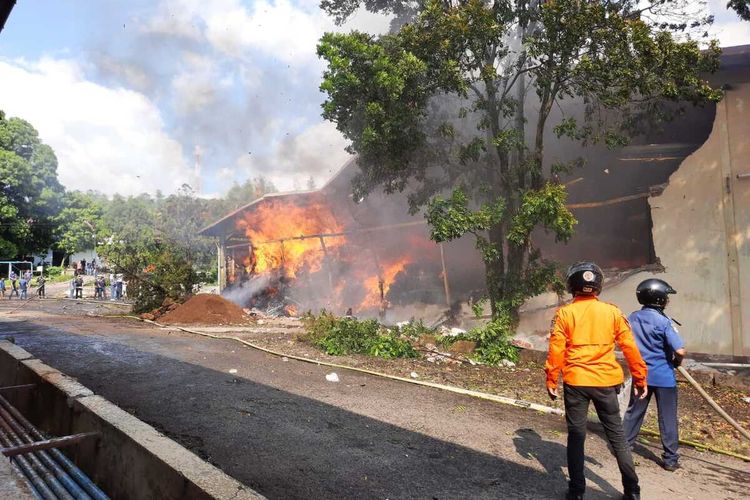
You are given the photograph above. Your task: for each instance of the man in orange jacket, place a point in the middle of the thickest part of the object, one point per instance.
(582, 346)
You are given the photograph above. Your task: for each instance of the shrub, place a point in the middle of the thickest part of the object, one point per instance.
(341, 336)
(494, 341)
(415, 329)
(53, 271)
(390, 346)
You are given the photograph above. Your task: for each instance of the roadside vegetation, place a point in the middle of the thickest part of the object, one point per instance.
(343, 336)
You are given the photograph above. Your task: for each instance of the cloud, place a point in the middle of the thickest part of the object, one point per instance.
(107, 139)
(233, 78)
(728, 27)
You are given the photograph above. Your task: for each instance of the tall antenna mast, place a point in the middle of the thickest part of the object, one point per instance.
(197, 170)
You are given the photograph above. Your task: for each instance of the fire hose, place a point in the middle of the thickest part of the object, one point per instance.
(713, 403)
(519, 403)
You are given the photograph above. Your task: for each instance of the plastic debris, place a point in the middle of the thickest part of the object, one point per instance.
(233, 371)
(508, 363)
(746, 400)
(332, 377)
(414, 375)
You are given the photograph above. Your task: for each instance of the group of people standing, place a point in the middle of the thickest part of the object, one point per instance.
(19, 285)
(88, 268)
(582, 347)
(116, 285)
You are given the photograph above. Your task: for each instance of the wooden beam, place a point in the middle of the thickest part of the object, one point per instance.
(343, 233)
(613, 201)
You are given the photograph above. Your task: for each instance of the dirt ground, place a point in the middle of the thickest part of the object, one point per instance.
(698, 421)
(284, 430)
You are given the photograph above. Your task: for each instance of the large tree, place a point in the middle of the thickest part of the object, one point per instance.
(742, 7)
(79, 225)
(30, 194)
(461, 97)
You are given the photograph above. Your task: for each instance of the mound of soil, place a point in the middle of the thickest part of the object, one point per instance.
(206, 309)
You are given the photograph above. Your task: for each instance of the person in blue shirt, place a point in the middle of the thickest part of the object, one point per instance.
(663, 350)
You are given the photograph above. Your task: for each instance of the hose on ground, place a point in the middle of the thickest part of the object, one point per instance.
(713, 403)
(519, 403)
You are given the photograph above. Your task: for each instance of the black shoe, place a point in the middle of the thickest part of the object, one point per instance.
(573, 496)
(631, 496)
(671, 467)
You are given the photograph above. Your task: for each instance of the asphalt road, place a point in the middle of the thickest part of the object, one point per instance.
(281, 428)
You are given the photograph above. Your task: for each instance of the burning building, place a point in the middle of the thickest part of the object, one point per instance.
(322, 249)
(676, 202)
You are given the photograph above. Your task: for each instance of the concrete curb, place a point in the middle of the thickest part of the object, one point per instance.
(131, 459)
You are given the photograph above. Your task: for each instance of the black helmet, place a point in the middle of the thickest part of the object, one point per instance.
(654, 292)
(585, 278)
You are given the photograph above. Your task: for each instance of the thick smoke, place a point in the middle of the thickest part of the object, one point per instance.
(243, 292)
(234, 80)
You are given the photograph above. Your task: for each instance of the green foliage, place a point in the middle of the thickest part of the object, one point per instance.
(238, 196)
(30, 193)
(53, 271)
(441, 106)
(452, 218)
(390, 346)
(544, 207)
(494, 340)
(168, 275)
(341, 336)
(742, 7)
(414, 329)
(79, 224)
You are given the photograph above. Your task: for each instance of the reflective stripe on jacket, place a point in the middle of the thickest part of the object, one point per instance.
(582, 345)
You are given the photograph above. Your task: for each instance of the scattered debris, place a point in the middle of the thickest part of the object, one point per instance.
(332, 377)
(233, 371)
(284, 358)
(414, 375)
(451, 332)
(746, 400)
(523, 344)
(463, 347)
(508, 363)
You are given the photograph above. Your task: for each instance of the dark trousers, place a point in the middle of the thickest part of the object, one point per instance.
(666, 404)
(576, 412)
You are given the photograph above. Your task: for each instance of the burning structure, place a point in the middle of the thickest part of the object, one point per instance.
(322, 249)
(675, 202)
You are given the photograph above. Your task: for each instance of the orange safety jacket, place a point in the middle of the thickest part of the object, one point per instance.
(582, 345)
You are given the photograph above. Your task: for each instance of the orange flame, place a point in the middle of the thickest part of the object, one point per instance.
(272, 228)
(287, 238)
(372, 284)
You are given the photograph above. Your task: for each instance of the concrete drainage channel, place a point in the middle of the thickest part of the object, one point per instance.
(108, 453)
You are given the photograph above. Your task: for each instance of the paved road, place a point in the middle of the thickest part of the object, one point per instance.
(281, 428)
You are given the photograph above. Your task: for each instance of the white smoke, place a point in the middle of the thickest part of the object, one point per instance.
(242, 294)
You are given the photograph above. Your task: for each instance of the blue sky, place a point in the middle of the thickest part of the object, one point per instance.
(127, 92)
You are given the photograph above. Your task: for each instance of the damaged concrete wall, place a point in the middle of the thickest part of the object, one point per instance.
(701, 235)
(701, 232)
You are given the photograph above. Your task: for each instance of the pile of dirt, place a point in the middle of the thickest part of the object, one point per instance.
(206, 309)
